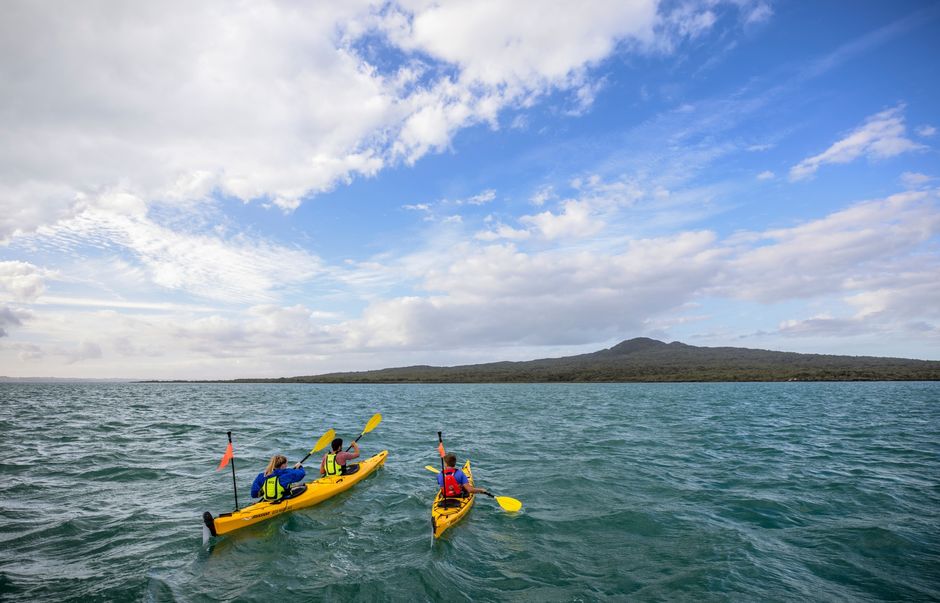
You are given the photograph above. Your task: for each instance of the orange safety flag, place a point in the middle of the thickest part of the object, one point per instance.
(440, 448)
(229, 453)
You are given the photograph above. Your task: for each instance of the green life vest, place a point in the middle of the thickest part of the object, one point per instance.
(272, 489)
(331, 467)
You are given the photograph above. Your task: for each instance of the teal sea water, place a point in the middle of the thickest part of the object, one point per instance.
(660, 492)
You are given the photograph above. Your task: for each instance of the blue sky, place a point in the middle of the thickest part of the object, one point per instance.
(272, 190)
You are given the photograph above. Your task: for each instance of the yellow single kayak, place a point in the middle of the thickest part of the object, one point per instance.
(316, 492)
(445, 514)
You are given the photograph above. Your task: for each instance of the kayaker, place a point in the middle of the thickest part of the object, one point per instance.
(453, 481)
(335, 461)
(274, 483)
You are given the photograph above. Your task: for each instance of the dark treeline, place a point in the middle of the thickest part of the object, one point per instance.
(649, 360)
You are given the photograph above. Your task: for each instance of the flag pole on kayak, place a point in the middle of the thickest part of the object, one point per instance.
(440, 449)
(229, 456)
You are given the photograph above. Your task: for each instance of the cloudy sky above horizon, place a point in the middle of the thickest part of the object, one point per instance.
(271, 189)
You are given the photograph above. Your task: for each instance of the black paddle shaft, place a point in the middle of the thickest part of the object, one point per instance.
(440, 440)
(354, 441)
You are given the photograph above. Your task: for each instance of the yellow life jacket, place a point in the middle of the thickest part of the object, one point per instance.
(331, 467)
(272, 490)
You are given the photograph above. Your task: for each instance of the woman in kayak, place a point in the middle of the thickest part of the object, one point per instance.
(453, 481)
(334, 462)
(274, 483)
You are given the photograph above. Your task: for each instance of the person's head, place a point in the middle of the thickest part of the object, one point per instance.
(450, 459)
(337, 444)
(278, 461)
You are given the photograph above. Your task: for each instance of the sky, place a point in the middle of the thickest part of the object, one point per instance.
(224, 189)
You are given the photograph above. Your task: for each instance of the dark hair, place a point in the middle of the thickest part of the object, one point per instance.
(337, 444)
(450, 459)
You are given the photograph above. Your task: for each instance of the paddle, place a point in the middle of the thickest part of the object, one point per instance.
(506, 502)
(325, 439)
(372, 424)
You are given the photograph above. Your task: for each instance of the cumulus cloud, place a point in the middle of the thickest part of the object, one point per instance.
(21, 281)
(882, 135)
(765, 175)
(926, 130)
(271, 101)
(575, 220)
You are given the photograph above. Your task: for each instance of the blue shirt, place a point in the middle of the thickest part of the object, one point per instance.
(285, 477)
(458, 475)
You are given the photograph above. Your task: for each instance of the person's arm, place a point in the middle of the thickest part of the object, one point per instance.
(292, 475)
(323, 465)
(463, 481)
(256, 486)
(355, 453)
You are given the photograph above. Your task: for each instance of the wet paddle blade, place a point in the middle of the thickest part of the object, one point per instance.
(324, 440)
(432, 469)
(373, 423)
(509, 504)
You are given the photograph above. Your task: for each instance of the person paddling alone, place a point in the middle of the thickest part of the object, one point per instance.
(335, 461)
(453, 481)
(274, 483)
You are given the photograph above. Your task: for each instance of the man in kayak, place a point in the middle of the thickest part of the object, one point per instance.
(334, 462)
(274, 483)
(453, 481)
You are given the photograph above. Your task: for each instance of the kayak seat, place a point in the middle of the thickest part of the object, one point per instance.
(451, 503)
(350, 469)
(294, 492)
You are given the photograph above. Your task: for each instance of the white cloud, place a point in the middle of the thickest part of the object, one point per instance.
(234, 269)
(232, 97)
(765, 175)
(502, 231)
(822, 256)
(484, 197)
(21, 281)
(926, 130)
(914, 179)
(882, 135)
(575, 220)
(498, 294)
(542, 195)
(759, 13)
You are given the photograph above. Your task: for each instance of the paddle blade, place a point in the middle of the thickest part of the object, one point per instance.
(432, 469)
(509, 504)
(324, 440)
(373, 423)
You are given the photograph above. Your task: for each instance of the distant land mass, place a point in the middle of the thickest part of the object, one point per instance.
(648, 360)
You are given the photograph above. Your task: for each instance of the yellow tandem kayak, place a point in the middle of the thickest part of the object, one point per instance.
(444, 515)
(316, 492)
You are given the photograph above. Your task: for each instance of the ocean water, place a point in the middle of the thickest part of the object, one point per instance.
(640, 492)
